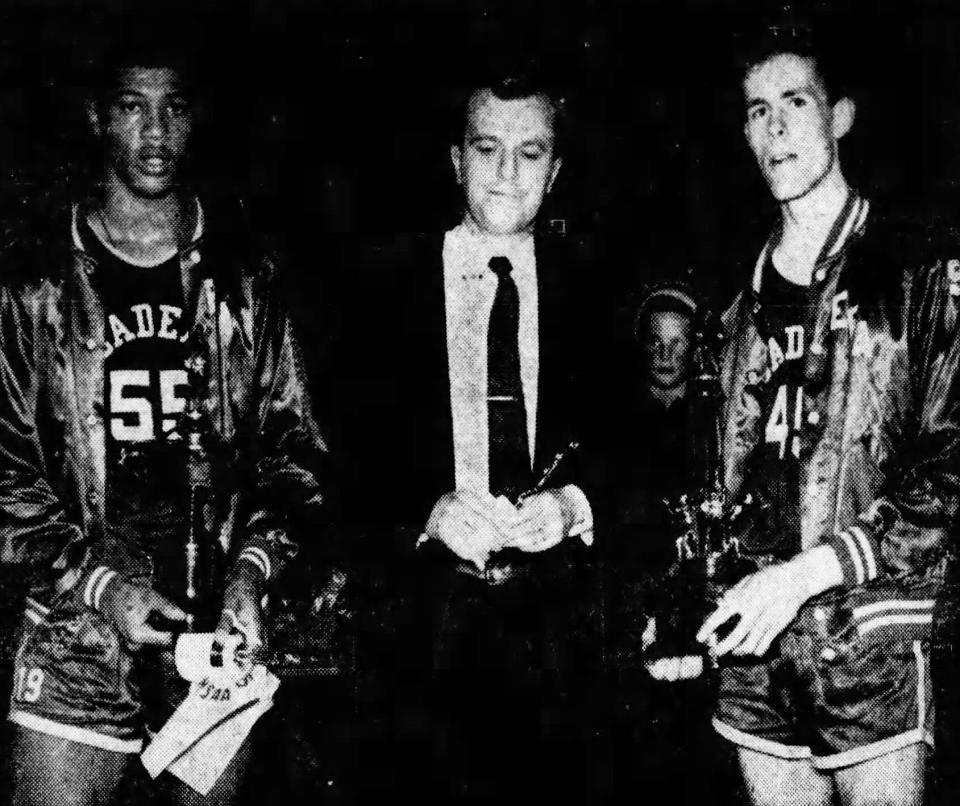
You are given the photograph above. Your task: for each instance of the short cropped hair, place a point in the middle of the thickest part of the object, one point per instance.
(147, 48)
(759, 46)
(510, 87)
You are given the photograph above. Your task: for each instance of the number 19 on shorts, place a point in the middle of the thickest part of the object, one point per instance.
(28, 684)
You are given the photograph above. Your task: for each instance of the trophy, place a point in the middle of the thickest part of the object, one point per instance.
(204, 560)
(708, 557)
(707, 563)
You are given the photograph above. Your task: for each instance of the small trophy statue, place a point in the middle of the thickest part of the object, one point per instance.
(708, 562)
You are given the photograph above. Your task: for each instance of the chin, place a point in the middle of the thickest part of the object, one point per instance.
(503, 225)
(791, 190)
(149, 189)
(146, 186)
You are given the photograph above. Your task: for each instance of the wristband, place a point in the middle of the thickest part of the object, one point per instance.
(259, 558)
(96, 584)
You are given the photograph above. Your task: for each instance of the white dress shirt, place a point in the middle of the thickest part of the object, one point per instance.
(469, 290)
(470, 287)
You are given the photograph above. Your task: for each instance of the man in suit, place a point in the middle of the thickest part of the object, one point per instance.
(474, 392)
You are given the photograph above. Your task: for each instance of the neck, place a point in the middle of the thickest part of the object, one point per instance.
(667, 397)
(138, 218)
(808, 219)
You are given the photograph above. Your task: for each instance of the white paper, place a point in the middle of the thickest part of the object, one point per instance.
(206, 731)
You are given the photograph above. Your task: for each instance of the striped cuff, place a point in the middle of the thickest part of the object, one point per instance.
(857, 550)
(901, 617)
(259, 558)
(96, 584)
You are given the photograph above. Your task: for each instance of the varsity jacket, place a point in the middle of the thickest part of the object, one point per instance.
(880, 448)
(268, 472)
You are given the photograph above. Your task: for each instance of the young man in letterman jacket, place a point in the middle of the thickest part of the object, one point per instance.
(142, 307)
(840, 438)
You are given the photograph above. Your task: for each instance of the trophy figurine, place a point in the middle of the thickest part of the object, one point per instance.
(708, 558)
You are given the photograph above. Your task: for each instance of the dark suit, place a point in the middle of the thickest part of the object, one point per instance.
(490, 641)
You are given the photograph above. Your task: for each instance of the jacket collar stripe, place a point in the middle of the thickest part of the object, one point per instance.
(840, 230)
(855, 223)
(75, 229)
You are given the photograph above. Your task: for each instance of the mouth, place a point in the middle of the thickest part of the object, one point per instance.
(155, 161)
(777, 160)
(505, 195)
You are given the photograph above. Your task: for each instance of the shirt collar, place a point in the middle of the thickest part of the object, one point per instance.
(475, 248)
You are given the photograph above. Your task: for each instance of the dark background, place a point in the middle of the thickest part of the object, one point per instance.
(334, 117)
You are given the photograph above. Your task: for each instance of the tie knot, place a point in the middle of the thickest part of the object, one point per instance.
(500, 266)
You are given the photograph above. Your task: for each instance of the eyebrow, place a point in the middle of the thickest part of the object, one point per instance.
(537, 141)
(120, 92)
(794, 92)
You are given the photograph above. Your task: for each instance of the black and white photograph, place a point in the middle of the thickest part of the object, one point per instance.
(480, 402)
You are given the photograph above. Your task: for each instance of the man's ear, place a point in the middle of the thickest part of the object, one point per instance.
(844, 112)
(553, 173)
(93, 119)
(456, 157)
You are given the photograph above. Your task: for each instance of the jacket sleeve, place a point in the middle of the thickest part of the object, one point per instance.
(905, 529)
(287, 454)
(36, 533)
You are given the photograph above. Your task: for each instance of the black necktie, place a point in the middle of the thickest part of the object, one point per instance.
(509, 453)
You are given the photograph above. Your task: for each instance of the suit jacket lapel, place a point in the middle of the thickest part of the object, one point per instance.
(547, 268)
(434, 329)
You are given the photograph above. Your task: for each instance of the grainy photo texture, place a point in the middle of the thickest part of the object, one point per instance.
(479, 403)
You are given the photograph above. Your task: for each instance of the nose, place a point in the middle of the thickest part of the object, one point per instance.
(155, 124)
(508, 165)
(777, 124)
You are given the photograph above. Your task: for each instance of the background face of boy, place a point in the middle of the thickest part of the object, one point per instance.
(146, 129)
(506, 162)
(667, 348)
(789, 125)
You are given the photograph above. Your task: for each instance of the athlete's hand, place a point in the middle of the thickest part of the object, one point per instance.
(765, 602)
(243, 610)
(468, 525)
(129, 605)
(768, 601)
